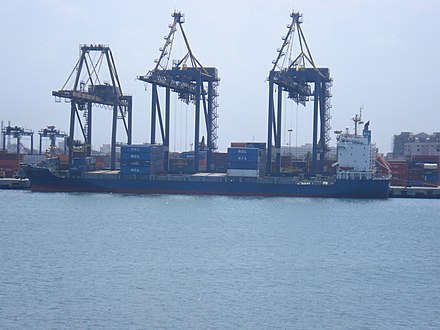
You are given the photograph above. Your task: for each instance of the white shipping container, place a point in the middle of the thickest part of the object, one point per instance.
(428, 166)
(244, 173)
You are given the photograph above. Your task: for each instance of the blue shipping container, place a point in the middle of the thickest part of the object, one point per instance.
(243, 158)
(431, 178)
(243, 165)
(202, 154)
(243, 155)
(128, 156)
(127, 169)
(136, 162)
(141, 148)
(243, 151)
(258, 145)
(78, 161)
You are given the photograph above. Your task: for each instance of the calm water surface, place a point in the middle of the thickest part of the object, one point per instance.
(114, 261)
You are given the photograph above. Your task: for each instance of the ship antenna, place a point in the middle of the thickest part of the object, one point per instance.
(358, 119)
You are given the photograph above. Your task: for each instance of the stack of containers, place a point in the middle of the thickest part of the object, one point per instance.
(10, 163)
(144, 159)
(262, 153)
(202, 158)
(400, 172)
(430, 174)
(219, 162)
(244, 162)
(83, 164)
(180, 165)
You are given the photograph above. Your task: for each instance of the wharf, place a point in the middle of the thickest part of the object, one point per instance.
(414, 192)
(12, 183)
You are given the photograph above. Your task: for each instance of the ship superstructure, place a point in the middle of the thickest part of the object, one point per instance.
(356, 154)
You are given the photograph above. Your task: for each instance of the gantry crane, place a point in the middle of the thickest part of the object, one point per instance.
(291, 75)
(17, 133)
(52, 133)
(193, 83)
(89, 88)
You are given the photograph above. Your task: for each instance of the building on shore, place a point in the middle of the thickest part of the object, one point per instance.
(415, 160)
(407, 144)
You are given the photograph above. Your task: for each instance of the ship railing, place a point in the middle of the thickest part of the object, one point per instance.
(353, 175)
(296, 180)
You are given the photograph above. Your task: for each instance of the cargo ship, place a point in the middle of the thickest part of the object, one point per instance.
(142, 172)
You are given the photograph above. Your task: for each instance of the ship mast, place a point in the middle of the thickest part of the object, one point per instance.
(357, 120)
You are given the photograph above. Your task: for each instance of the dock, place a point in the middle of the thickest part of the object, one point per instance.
(414, 192)
(12, 183)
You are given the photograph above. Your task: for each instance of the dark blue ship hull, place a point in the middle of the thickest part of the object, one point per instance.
(43, 179)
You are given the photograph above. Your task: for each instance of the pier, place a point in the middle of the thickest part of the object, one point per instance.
(414, 192)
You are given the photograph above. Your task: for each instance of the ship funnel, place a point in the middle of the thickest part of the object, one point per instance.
(366, 132)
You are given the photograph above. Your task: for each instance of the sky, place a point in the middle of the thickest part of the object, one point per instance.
(382, 55)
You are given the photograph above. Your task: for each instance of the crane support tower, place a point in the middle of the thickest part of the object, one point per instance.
(89, 87)
(290, 74)
(17, 133)
(52, 134)
(193, 83)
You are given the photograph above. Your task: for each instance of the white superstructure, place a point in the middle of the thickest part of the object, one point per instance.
(356, 154)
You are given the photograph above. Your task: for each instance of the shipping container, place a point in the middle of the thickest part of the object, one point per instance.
(242, 172)
(399, 182)
(425, 158)
(64, 159)
(431, 178)
(8, 172)
(430, 166)
(100, 165)
(142, 159)
(243, 159)
(258, 145)
(127, 169)
(190, 154)
(238, 144)
(243, 165)
(9, 163)
(399, 173)
(244, 155)
(142, 148)
(140, 156)
(138, 163)
(82, 164)
(398, 164)
(181, 165)
(244, 151)
(219, 162)
(8, 156)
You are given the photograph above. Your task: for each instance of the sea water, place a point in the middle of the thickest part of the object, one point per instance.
(114, 261)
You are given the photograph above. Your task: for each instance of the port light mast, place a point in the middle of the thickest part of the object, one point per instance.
(303, 81)
(83, 93)
(193, 83)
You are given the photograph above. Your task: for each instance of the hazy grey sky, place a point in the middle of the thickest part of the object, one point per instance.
(381, 54)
